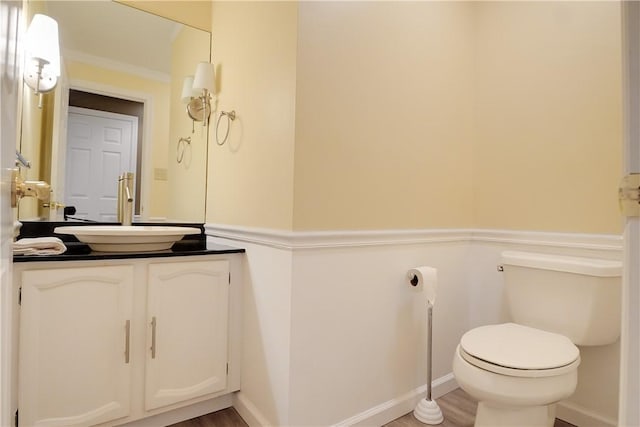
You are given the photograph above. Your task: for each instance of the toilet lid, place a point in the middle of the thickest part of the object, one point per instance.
(519, 347)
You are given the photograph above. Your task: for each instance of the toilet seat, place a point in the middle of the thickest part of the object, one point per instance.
(519, 351)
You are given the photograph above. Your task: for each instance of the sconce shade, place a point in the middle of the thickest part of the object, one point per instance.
(205, 77)
(187, 90)
(42, 46)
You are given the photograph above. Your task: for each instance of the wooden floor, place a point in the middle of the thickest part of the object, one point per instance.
(457, 408)
(225, 418)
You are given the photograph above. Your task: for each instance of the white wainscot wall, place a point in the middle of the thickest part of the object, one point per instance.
(334, 334)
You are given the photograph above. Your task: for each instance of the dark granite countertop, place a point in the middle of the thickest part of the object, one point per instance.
(190, 245)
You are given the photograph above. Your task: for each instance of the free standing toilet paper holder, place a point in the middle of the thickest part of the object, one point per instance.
(427, 410)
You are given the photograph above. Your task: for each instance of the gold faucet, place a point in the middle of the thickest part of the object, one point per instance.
(125, 198)
(21, 188)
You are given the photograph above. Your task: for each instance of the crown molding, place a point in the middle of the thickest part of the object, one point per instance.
(121, 67)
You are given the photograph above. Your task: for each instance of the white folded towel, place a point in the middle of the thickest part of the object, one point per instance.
(39, 246)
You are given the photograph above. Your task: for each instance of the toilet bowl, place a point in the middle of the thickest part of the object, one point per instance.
(516, 373)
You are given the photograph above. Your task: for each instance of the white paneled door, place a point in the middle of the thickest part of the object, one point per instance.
(100, 146)
(10, 86)
(629, 414)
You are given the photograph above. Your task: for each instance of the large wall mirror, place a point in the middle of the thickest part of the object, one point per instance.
(117, 108)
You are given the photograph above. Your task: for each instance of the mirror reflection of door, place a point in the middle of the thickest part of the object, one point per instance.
(100, 146)
(88, 99)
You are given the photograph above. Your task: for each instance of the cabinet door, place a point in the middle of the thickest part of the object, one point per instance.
(73, 354)
(187, 304)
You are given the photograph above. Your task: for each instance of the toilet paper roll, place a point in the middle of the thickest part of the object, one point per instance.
(425, 280)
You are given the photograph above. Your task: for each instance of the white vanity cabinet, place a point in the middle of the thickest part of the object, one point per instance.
(74, 328)
(113, 341)
(187, 338)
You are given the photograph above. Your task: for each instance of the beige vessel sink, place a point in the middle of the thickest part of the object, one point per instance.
(127, 238)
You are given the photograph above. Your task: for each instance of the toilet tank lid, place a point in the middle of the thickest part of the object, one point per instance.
(569, 264)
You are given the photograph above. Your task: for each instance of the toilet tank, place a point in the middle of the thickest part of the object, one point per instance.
(579, 298)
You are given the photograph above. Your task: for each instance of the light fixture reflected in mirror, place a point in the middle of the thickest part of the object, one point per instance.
(42, 55)
(187, 90)
(199, 107)
(188, 94)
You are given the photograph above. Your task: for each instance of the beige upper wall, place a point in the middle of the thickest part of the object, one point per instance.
(250, 179)
(418, 115)
(548, 147)
(384, 115)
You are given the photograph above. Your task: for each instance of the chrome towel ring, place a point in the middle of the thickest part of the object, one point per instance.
(231, 116)
(182, 146)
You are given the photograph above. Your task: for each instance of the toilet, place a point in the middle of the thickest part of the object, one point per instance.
(518, 371)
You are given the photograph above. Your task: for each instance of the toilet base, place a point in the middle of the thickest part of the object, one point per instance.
(527, 416)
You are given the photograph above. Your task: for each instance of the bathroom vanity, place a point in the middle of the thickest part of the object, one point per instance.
(111, 338)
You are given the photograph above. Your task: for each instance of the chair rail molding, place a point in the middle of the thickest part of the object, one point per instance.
(301, 240)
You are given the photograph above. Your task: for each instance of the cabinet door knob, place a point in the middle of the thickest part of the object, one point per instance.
(153, 337)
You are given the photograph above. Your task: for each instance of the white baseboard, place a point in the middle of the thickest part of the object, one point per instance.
(248, 411)
(395, 408)
(376, 416)
(582, 417)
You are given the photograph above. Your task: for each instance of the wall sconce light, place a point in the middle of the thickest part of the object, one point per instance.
(204, 85)
(197, 93)
(42, 55)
